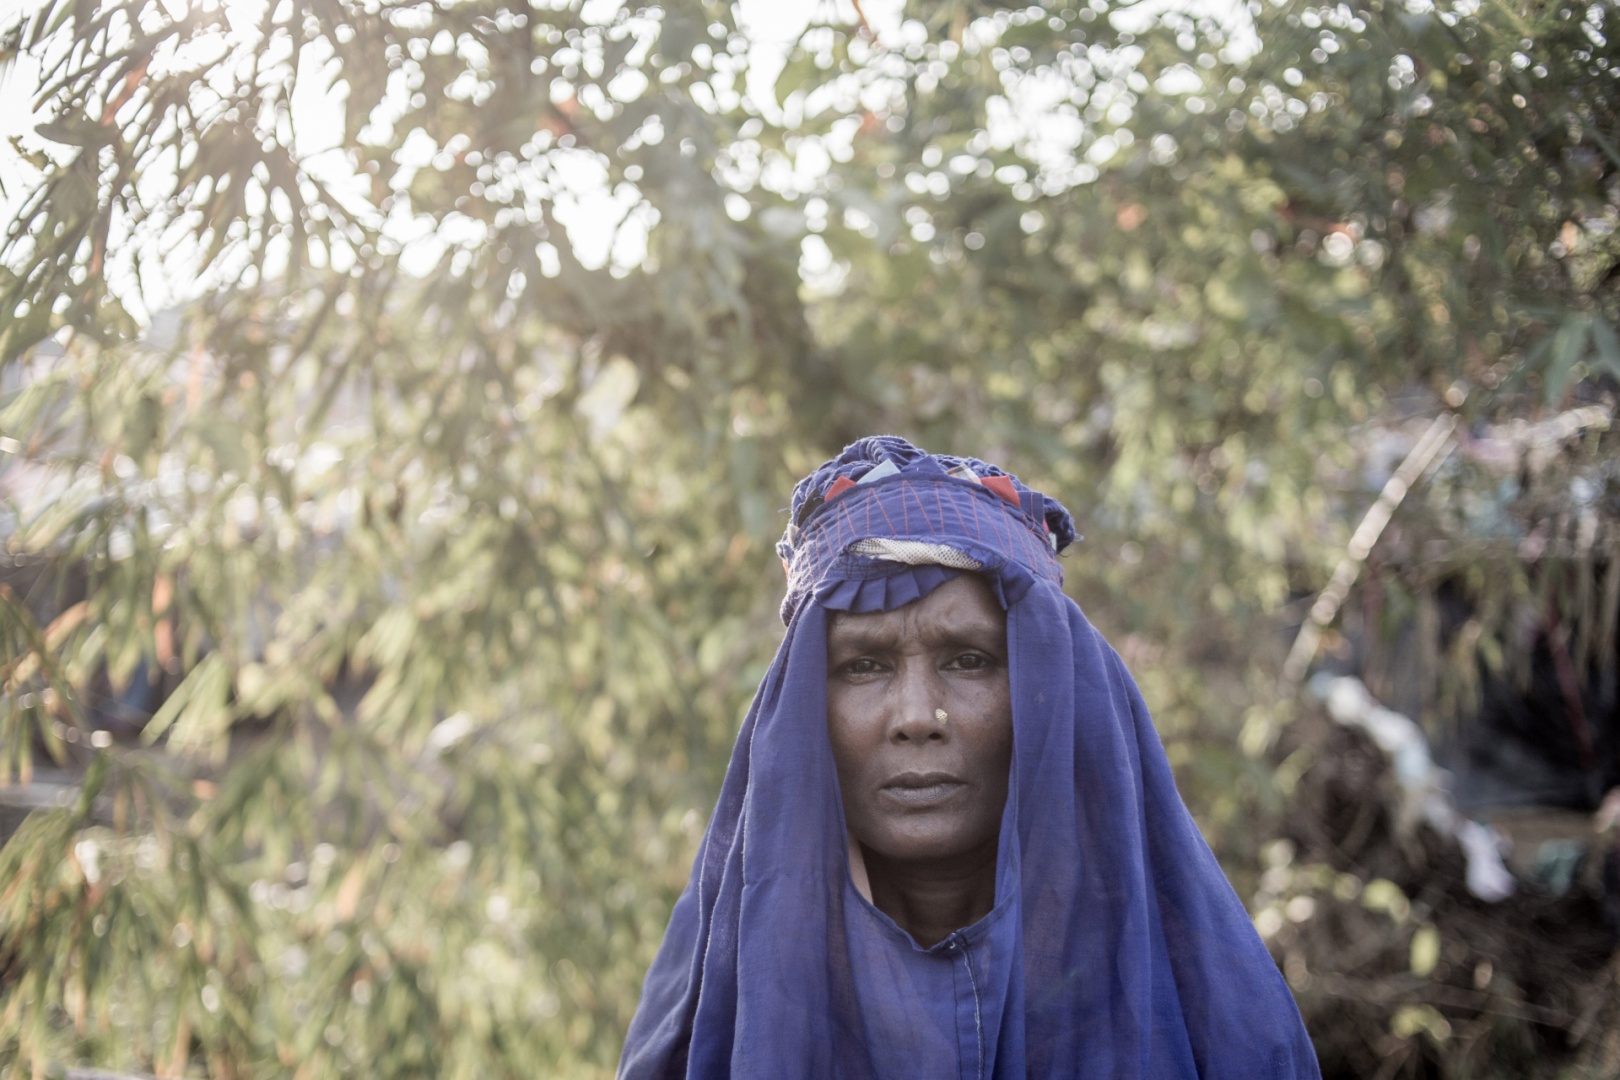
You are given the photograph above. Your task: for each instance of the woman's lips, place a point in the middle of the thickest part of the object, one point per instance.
(919, 791)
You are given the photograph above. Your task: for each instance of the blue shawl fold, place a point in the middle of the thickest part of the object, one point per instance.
(1116, 949)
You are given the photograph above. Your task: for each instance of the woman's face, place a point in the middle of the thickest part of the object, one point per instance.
(917, 787)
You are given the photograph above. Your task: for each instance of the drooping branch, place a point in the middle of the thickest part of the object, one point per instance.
(1432, 446)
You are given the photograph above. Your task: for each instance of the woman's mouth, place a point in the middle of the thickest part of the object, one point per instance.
(922, 790)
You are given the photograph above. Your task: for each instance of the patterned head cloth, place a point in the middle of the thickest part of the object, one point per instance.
(1116, 950)
(884, 501)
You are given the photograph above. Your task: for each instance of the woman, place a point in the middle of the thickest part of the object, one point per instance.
(949, 843)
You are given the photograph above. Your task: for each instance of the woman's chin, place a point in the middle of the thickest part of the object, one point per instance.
(923, 839)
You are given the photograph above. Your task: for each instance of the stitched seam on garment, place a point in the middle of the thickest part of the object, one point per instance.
(884, 510)
(922, 507)
(978, 1015)
(956, 1012)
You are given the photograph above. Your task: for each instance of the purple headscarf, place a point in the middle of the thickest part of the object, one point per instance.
(1116, 949)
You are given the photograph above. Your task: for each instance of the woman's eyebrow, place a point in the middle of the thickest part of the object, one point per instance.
(975, 630)
(978, 633)
(846, 636)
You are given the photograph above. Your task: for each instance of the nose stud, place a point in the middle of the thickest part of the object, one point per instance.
(942, 717)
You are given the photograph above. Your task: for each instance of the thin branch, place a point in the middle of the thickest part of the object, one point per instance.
(1434, 444)
(860, 14)
(1569, 685)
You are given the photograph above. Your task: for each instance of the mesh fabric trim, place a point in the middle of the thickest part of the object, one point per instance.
(915, 553)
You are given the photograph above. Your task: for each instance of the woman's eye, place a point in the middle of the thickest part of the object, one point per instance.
(861, 665)
(971, 662)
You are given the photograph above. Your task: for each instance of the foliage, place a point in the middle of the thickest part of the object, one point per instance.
(435, 554)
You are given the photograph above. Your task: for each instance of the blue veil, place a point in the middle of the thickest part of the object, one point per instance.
(1116, 949)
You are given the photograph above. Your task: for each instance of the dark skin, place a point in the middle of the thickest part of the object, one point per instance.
(923, 797)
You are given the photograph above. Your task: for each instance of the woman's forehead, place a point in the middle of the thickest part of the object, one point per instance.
(963, 606)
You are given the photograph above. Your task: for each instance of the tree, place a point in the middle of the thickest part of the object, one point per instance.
(431, 561)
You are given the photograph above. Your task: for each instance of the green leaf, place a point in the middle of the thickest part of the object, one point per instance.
(680, 35)
(82, 133)
(1568, 346)
(1608, 345)
(1425, 951)
(199, 701)
(800, 73)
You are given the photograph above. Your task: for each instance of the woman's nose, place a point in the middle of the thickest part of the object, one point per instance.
(916, 706)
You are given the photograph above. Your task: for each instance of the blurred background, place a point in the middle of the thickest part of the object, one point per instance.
(399, 401)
